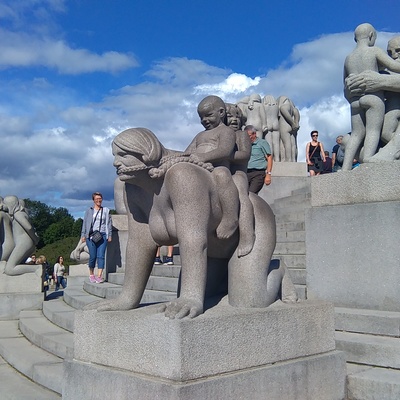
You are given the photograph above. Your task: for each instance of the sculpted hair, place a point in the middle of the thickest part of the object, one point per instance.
(141, 141)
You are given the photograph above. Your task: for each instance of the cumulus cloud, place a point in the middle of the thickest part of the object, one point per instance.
(57, 148)
(23, 50)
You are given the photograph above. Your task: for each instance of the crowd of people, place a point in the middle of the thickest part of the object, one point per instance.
(51, 275)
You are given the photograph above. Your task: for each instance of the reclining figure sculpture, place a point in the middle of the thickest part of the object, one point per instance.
(170, 199)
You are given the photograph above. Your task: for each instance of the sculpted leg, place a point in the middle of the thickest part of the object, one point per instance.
(229, 202)
(355, 140)
(251, 284)
(246, 215)
(374, 115)
(192, 227)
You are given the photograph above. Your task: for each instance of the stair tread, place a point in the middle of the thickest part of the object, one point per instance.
(59, 313)
(44, 334)
(16, 386)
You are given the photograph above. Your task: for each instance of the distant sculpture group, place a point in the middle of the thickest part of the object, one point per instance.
(276, 120)
(374, 98)
(18, 238)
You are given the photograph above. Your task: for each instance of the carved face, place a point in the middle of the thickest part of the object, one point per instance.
(393, 48)
(127, 163)
(233, 119)
(210, 115)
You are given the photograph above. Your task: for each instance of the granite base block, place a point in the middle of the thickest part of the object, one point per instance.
(319, 377)
(11, 304)
(223, 339)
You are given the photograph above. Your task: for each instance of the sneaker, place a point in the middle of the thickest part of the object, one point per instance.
(99, 279)
(157, 261)
(169, 260)
(92, 279)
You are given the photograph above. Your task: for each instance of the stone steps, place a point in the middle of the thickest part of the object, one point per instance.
(15, 386)
(296, 199)
(373, 322)
(44, 334)
(372, 383)
(60, 313)
(35, 363)
(290, 248)
(380, 351)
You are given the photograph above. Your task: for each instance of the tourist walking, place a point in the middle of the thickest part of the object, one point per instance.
(59, 272)
(260, 164)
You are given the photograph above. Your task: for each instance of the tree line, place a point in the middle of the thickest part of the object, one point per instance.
(51, 223)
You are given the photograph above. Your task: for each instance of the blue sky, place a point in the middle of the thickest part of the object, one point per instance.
(75, 73)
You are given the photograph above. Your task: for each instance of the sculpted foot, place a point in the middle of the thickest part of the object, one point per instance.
(246, 243)
(226, 228)
(182, 308)
(118, 304)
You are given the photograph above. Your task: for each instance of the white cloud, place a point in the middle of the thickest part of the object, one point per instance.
(23, 50)
(55, 146)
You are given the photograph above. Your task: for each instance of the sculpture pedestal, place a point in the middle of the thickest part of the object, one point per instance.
(352, 237)
(286, 351)
(19, 292)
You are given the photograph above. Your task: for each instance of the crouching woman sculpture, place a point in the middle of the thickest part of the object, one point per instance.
(171, 200)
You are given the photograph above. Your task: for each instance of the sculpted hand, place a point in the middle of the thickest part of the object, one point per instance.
(365, 82)
(181, 308)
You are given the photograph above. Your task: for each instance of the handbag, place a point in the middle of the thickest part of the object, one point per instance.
(96, 236)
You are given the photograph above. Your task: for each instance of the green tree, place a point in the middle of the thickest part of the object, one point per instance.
(51, 224)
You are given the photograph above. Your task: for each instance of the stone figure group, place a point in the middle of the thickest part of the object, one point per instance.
(276, 120)
(18, 238)
(190, 198)
(372, 86)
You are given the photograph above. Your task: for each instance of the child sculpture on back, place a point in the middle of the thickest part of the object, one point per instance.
(368, 110)
(216, 145)
(241, 156)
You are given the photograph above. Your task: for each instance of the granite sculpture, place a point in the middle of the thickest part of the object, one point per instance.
(172, 197)
(271, 131)
(80, 253)
(276, 120)
(18, 237)
(289, 118)
(364, 85)
(367, 110)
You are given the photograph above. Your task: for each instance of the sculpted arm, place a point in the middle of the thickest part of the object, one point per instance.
(242, 155)
(387, 61)
(307, 153)
(192, 147)
(22, 218)
(371, 81)
(226, 144)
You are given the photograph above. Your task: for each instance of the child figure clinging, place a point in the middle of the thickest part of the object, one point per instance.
(216, 145)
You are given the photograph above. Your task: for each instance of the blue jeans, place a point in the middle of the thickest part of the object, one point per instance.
(97, 251)
(61, 281)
